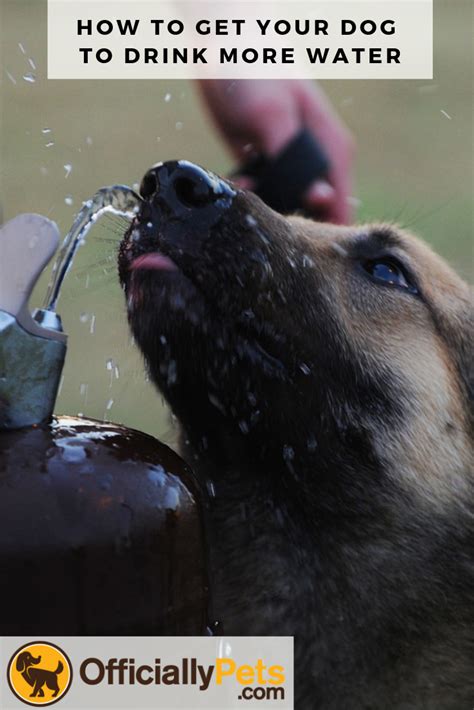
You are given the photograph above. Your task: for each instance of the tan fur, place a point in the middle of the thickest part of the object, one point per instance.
(433, 462)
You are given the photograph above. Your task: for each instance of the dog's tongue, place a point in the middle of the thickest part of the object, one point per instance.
(154, 260)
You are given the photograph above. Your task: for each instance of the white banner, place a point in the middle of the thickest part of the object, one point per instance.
(91, 673)
(261, 39)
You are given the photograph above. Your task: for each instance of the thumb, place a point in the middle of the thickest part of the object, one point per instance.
(320, 197)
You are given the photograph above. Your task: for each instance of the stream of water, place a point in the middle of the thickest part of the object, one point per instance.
(117, 199)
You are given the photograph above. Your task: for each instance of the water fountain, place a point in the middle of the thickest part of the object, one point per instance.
(101, 525)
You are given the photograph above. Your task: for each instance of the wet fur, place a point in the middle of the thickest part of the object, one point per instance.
(330, 419)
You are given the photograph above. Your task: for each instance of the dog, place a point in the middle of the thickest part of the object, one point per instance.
(322, 379)
(38, 677)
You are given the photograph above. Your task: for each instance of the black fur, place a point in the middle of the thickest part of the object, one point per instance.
(310, 532)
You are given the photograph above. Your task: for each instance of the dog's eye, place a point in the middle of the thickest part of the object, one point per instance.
(389, 271)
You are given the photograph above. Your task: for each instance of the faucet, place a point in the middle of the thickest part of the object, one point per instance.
(32, 345)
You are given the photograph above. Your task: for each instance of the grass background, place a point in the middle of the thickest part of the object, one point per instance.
(414, 166)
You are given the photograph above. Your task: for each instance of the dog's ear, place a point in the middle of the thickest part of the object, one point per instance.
(20, 662)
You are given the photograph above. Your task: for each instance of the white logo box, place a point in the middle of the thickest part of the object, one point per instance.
(135, 673)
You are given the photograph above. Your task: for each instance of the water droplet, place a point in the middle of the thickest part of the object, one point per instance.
(446, 115)
(167, 98)
(68, 169)
(32, 64)
(215, 401)
(179, 126)
(312, 444)
(30, 78)
(305, 369)
(110, 404)
(252, 398)
(69, 200)
(50, 144)
(211, 489)
(22, 48)
(172, 372)
(244, 427)
(92, 327)
(339, 249)
(84, 317)
(11, 77)
(224, 649)
(89, 141)
(110, 365)
(60, 388)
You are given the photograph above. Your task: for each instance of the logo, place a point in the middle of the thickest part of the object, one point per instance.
(39, 673)
(144, 671)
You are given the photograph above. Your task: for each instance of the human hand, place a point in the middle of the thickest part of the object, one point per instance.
(264, 116)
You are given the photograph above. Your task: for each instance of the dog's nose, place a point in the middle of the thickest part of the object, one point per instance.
(181, 187)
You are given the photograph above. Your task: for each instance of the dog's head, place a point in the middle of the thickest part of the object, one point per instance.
(25, 660)
(312, 345)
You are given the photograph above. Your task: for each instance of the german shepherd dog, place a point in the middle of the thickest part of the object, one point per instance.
(322, 378)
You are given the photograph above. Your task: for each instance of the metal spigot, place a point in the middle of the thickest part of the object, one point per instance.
(32, 347)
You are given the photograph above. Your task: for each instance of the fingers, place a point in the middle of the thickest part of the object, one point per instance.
(319, 115)
(319, 199)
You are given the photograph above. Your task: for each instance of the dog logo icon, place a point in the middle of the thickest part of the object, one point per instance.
(39, 673)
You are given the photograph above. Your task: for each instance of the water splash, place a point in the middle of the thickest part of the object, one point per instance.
(11, 77)
(118, 199)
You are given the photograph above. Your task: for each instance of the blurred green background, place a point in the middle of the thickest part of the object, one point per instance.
(414, 166)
